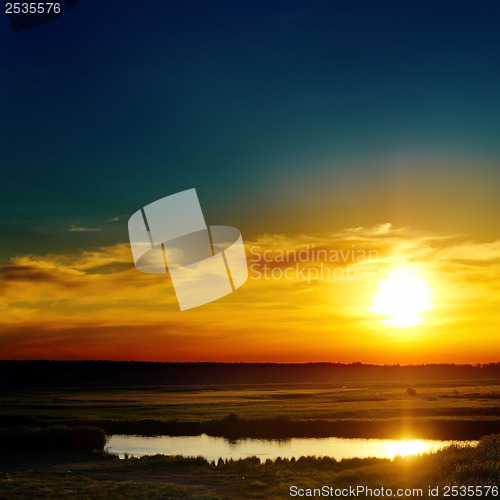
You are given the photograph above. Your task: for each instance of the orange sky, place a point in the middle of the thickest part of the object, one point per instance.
(96, 305)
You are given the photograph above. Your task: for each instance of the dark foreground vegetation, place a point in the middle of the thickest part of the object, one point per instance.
(99, 477)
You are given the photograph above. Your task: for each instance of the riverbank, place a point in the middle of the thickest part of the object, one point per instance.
(97, 476)
(281, 427)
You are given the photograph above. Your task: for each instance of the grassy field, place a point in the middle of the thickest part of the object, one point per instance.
(439, 407)
(94, 476)
(187, 403)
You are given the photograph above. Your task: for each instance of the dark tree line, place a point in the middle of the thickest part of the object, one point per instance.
(74, 374)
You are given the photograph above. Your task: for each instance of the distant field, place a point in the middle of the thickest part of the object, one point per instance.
(186, 403)
(438, 401)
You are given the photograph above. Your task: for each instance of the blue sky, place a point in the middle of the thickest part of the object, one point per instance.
(285, 116)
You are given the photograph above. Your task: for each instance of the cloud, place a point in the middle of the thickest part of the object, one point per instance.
(472, 252)
(30, 274)
(68, 302)
(82, 229)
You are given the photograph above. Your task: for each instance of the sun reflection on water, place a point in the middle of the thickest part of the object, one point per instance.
(404, 448)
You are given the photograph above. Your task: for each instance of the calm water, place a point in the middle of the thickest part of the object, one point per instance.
(213, 448)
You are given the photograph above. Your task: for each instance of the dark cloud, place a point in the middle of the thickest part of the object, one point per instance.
(32, 274)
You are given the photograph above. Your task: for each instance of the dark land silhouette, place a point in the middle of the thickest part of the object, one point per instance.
(75, 374)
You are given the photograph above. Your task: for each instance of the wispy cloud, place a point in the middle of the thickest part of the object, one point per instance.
(83, 229)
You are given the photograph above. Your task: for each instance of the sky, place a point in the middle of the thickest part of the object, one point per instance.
(359, 125)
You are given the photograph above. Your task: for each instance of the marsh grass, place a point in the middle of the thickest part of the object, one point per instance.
(439, 410)
(450, 399)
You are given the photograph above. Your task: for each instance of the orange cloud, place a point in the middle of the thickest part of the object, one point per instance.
(96, 305)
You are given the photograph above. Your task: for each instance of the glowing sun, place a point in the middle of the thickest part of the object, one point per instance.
(402, 298)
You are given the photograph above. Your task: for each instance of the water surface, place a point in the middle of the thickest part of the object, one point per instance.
(213, 448)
